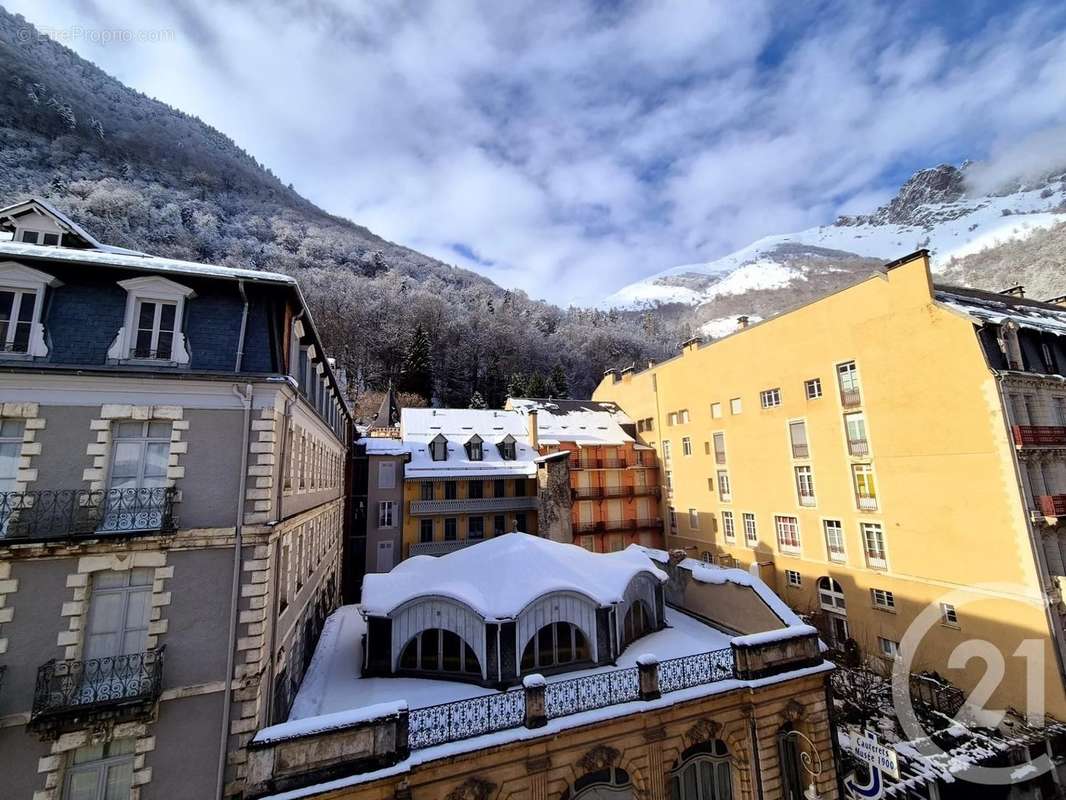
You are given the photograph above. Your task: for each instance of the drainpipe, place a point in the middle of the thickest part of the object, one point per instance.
(244, 326)
(246, 400)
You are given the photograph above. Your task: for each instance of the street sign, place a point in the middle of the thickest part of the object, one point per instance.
(869, 750)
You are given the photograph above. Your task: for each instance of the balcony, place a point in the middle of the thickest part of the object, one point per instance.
(849, 398)
(858, 447)
(866, 502)
(608, 463)
(64, 513)
(806, 500)
(73, 693)
(473, 505)
(441, 548)
(1039, 435)
(617, 525)
(801, 450)
(1052, 505)
(608, 492)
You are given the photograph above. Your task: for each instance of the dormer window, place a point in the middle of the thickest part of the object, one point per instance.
(38, 237)
(438, 448)
(21, 305)
(474, 448)
(507, 448)
(155, 308)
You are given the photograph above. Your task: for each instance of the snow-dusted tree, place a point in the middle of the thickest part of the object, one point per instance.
(418, 366)
(477, 401)
(558, 385)
(536, 386)
(516, 386)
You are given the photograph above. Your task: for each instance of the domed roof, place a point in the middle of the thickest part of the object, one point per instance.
(499, 577)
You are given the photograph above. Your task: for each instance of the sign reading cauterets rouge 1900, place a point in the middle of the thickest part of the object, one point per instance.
(876, 755)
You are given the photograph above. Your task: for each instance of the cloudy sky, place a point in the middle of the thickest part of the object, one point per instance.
(570, 148)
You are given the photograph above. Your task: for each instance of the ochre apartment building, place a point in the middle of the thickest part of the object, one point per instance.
(890, 448)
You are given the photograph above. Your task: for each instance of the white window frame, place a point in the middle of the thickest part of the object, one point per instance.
(725, 486)
(686, 445)
(682, 416)
(831, 595)
(948, 615)
(785, 524)
(873, 560)
(22, 280)
(805, 485)
(866, 499)
(152, 289)
(729, 528)
(719, 454)
(386, 514)
(751, 532)
(694, 519)
(716, 410)
(770, 398)
(830, 552)
(101, 768)
(812, 388)
(793, 578)
(889, 648)
(883, 599)
(387, 475)
(667, 453)
(736, 405)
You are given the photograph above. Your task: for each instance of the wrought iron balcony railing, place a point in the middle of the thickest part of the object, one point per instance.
(441, 548)
(858, 447)
(849, 398)
(80, 512)
(866, 502)
(1039, 435)
(609, 492)
(98, 686)
(800, 450)
(473, 505)
(608, 526)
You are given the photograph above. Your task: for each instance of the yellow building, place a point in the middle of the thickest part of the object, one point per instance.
(889, 449)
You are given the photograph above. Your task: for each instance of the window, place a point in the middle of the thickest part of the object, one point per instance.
(637, 622)
(673, 519)
(475, 490)
(427, 490)
(788, 537)
(888, 647)
(719, 447)
(797, 436)
(450, 490)
(671, 418)
(668, 477)
(666, 453)
(848, 379)
(387, 477)
(865, 488)
(873, 544)
(831, 594)
(450, 530)
(507, 448)
(769, 398)
(438, 650)
(813, 388)
(499, 524)
(834, 539)
(386, 511)
(140, 454)
(855, 426)
(793, 578)
(729, 527)
(520, 522)
(438, 449)
(520, 487)
(649, 424)
(155, 308)
(948, 615)
(683, 416)
(474, 449)
(475, 528)
(10, 452)
(425, 531)
(805, 486)
(724, 489)
(735, 406)
(704, 774)
(119, 608)
(686, 446)
(751, 534)
(21, 303)
(100, 771)
(694, 519)
(499, 488)
(883, 599)
(555, 644)
(716, 410)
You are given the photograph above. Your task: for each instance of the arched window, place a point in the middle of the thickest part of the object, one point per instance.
(637, 622)
(438, 650)
(554, 645)
(703, 773)
(831, 594)
(611, 783)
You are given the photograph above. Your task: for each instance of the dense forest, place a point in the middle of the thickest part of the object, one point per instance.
(140, 174)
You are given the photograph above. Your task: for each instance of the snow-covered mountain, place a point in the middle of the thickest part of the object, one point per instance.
(935, 209)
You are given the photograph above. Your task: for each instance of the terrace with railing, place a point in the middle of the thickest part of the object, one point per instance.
(63, 513)
(1039, 435)
(611, 525)
(609, 492)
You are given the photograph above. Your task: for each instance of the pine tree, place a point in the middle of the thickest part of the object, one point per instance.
(558, 385)
(516, 387)
(495, 390)
(477, 401)
(418, 367)
(536, 386)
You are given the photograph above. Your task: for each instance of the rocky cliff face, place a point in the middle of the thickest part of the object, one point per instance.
(923, 200)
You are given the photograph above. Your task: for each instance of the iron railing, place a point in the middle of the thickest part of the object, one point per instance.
(689, 671)
(858, 447)
(1039, 435)
(866, 502)
(608, 526)
(73, 512)
(590, 692)
(801, 450)
(78, 687)
(849, 398)
(463, 719)
(609, 492)
(441, 548)
(474, 505)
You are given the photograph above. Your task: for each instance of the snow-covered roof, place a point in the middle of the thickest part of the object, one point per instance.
(499, 577)
(140, 261)
(420, 426)
(63, 221)
(584, 422)
(989, 307)
(384, 446)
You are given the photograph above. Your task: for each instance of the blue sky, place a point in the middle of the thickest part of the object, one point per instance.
(570, 148)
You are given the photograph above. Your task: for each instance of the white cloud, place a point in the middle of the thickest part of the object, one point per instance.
(580, 146)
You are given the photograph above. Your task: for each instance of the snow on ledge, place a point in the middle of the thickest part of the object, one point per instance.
(778, 635)
(534, 681)
(310, 726)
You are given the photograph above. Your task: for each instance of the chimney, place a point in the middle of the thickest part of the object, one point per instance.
(1014, 291)
(742, 321)
(1058, 301)
(534, 438)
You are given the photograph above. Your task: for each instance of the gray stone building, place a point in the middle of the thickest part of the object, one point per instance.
(172, 453)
